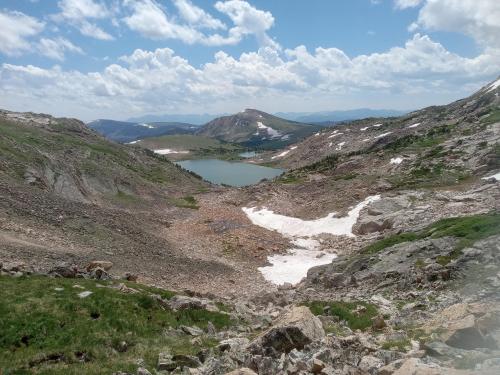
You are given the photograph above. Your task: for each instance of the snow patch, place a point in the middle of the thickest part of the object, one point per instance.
(133, 142)
(414, 125)
(167, 151)
(494, 176)
(397, 160)
(366, 140)
(494, 85)
(295, 227)
(334, 135)
(270, 131)
(293, 266)
(339, 146)
(284, 153)
(377, 125)
(147, 126)
(383, 135)
(365, 128)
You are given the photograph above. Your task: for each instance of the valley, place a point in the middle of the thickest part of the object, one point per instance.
(372, 248)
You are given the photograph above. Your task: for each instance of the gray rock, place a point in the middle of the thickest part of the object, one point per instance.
(143, 371)
(370, 364)
(192, 331)
(166, 362)
(294, 330)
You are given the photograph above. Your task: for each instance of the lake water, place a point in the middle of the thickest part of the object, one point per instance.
(233, 174)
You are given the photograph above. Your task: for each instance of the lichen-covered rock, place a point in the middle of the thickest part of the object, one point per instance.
(294, 330)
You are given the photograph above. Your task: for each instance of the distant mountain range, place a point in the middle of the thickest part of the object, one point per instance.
(337, 116)
(308, 117)
(125, 132)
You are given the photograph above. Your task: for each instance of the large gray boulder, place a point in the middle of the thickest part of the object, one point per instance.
(294, 330)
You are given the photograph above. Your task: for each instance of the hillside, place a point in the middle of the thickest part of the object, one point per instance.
(188, 146)
(253, 128)
(375, 253)
(125, 132)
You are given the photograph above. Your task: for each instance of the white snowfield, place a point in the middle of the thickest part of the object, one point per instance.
(133, 142)
(334, 135)
(167, 151)
(147, 126)
(293, 266)
(295, 227)
(414, 125)
(383, 135)
(284, 153)
(397, 160)
(495, 176)
(494, 85)
(270, 131)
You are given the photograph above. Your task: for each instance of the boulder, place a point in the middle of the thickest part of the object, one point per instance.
(64, 270)
(143, 371)
(191, 331)
(179, 302)
(99, 273)
(166, 362)
(104, 264)
(372, 226)
(294, 330)
(370, 364)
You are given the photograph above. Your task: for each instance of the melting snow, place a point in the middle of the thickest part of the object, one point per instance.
(284, 153)
(147, 126)
(272, 132)
(377, 125)
(133, 142)
(494, 176)
(366, 140)
(294, 227)
(293, 266)
(363, 129)
(383, 135)
(414, 125)
(397, 160)
(330, 144)
(494, 85)
(339, 146)
(166, 151)
(334, 135)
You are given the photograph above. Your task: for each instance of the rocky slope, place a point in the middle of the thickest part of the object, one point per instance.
(413, 289)
(253, 128)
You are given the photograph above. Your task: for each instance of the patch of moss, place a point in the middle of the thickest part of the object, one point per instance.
(467, 229)
(346, 311)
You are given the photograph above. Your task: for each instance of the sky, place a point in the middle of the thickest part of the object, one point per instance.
(117, 59)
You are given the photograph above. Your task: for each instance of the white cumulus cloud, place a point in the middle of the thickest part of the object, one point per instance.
(16, 29)
(56, 48)
(78, 14)
(479, 19)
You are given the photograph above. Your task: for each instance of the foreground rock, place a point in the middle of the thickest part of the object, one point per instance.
(296, 329)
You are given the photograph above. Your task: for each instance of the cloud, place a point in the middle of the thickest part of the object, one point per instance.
(15, 30)
(56, 48)
(77, 13)
(248, 20)
(477, 19)
(161, 81)
(151, 20)
(403, 4)
(196, 16)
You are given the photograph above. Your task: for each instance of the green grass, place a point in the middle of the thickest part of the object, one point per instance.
(186, 202)
(400, 345)
(493, 117)
(467, 230)
(38, 323)
(346, 311)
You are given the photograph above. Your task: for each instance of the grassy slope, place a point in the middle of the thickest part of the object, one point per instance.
(67, 147)
(468, 230)
(46, 331)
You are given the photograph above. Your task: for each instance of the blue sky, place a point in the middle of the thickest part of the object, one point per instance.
(123, 58)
